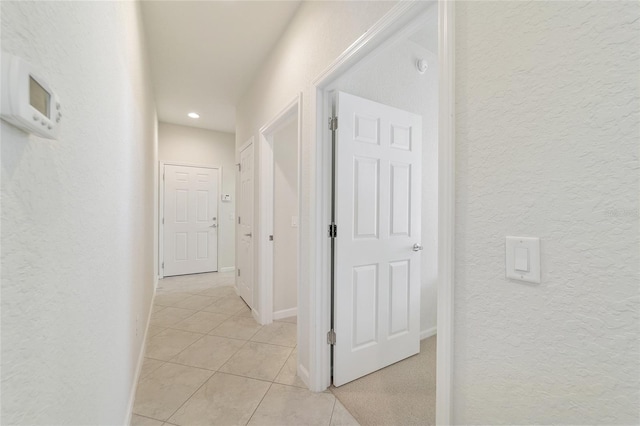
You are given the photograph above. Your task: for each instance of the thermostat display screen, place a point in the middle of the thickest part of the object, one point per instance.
(38, 97)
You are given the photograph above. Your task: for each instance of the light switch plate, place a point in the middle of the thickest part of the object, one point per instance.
(532, 247)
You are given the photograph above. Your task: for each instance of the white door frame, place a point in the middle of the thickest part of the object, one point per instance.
(161, 207)
(293, 111)
(319, 295)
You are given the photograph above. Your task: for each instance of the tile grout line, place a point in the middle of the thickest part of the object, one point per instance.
(147, 417)
(283, 366)
(182, 350)
(247, 377)
(273, 344)
(259, 403)
(140, 379)
(333, 410)
(216, 326)
(187, 347)
(190, 396)
(204, 368)
(227, 361)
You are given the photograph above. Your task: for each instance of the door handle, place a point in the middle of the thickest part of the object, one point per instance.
(248, 235)
(213, 226)
(417, 247)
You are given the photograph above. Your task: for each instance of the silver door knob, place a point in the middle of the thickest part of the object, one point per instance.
(213, 226)
(248, 235)
(417, 247)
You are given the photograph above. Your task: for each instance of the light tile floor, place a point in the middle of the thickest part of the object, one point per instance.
(208, 362)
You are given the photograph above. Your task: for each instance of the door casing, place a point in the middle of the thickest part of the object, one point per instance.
(319, 292)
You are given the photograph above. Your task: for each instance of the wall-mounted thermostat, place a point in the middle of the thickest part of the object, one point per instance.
(28, 102)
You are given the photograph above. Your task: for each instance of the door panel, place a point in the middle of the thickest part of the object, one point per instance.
(190, 220)
(245, 228)
(377, 272)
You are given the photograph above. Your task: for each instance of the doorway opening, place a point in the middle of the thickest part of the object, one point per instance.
(400, 23)
(279, 214)
(380, 202)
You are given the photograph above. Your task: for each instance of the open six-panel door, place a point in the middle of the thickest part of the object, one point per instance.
(377, 249)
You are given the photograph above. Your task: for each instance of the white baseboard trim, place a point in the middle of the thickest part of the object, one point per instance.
(136, 376)
(303, 374)
(285, 313)
(425, 334)
(227, 269)
(255, 313)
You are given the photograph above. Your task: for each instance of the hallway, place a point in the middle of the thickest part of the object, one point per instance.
(208, 362)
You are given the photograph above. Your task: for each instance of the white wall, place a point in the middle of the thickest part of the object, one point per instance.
(78, 217)
(285, 207)
(390, 77)
(547, 130)
(318, 33)
(207, 147)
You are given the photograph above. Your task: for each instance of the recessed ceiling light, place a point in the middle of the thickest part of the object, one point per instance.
(194, 115)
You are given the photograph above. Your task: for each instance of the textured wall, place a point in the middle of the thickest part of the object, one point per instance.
(77, 217)
(190, 145)
(547, 113)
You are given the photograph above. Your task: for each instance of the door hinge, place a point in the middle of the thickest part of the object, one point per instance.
(331, 337)
(239, 167)
(162, 265)
(163, 176)
(238, 271)
(238, 220)
(163, 220)
(270, 237)
(333, 123)
(333, 230)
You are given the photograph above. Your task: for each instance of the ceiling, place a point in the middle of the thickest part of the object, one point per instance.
(204, 54)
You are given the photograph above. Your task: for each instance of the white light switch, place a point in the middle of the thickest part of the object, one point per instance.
(523, 259)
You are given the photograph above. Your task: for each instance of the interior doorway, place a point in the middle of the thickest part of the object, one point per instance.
(362, 65)
(280, 214)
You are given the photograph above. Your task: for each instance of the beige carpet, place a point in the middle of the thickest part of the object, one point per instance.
(401, 394)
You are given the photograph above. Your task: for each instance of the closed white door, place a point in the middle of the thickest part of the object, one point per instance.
(245, 227)
(377, 266)
(190, 220)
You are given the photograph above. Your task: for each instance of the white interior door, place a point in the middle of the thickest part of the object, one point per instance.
(190, 219)
(377, 267)
(245, 226)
